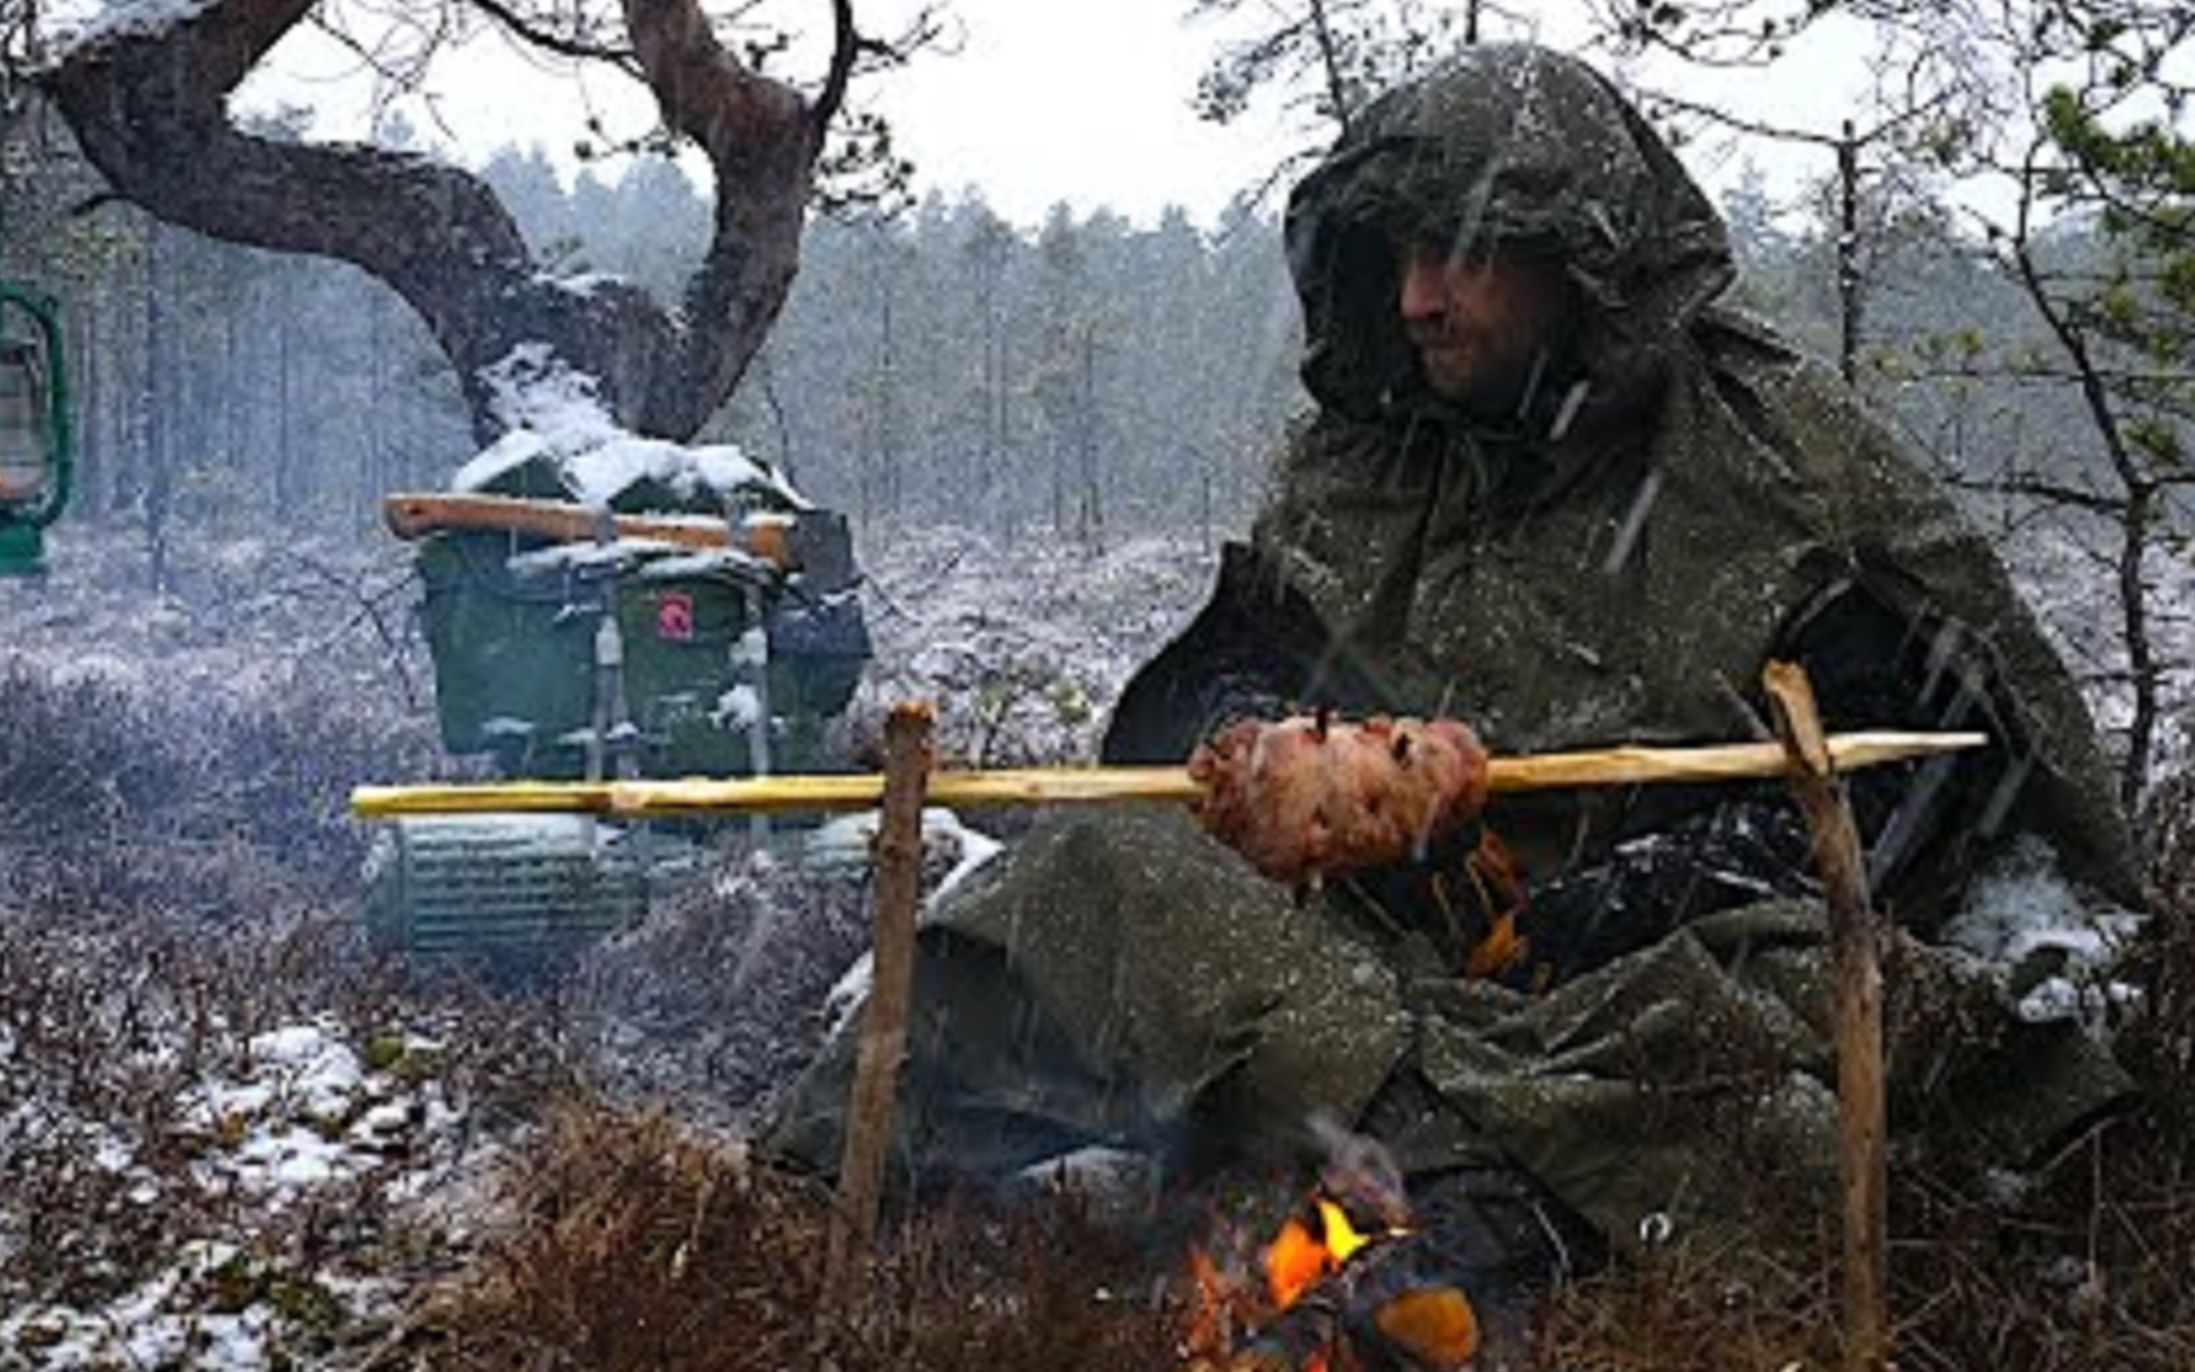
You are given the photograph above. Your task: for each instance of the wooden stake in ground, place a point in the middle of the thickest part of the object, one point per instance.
(869, 1108)
(1857, 965)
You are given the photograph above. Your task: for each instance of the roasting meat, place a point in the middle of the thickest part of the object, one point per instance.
(1304, 797)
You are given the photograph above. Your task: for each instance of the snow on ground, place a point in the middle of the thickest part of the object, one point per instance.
(2053, 943)
(239, 617)
(1022, 646)
(304, 1125)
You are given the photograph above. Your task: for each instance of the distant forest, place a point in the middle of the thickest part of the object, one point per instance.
(1084, 378)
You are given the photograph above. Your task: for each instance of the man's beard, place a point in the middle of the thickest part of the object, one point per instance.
(1480, 377)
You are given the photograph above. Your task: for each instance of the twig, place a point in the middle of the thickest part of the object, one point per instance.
(2043, 490)
(369, 609)
(526, 30)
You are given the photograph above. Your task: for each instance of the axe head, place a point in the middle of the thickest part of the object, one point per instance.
(822, 550)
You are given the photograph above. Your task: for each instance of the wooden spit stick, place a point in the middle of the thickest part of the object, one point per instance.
(1856, 965)
(870, 1105)
(1625, 766)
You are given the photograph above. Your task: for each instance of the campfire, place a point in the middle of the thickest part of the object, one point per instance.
(1329, 1292)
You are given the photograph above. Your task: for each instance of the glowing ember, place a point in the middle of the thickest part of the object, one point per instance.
(1436, 1324)
(1212, 1318)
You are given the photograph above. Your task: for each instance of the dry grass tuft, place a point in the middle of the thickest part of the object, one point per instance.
(2085, 1264)
(1687, 1308)
(633, 1244)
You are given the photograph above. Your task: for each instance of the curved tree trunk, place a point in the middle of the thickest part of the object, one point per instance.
(149, 107)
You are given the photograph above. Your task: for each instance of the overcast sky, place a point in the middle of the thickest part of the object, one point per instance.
(1038, 101)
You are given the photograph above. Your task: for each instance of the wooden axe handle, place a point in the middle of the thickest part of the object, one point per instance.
(412, 515)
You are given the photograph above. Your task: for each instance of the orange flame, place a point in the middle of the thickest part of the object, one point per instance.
(1312, 1245)
(1299, 1259)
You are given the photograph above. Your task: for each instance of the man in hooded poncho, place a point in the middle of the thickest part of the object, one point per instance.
(1555, 487)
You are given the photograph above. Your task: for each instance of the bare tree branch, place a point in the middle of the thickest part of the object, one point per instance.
(1337, 89)
(149, 108)
(2114, 506)
(2136, 511)
(845, 47)
(526, 30)
(1661, 100)
(762, 140)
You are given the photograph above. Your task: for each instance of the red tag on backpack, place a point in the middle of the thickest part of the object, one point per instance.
(674, 616)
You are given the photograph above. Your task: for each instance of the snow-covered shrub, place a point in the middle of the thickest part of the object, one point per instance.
(1023, 647)
(724, 993)
(717, 999)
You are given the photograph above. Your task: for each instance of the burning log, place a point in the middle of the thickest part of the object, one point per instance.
(1310, 1249)
(1434, 1325)
(1334, 1298)
(1347, 1283)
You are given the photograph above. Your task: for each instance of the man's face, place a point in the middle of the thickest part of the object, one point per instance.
(1481, 324)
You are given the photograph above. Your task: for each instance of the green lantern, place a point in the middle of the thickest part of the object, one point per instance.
(35, 442)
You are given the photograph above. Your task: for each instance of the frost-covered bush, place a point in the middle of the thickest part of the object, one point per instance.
(220, 806)
(194, 748)
(722, 996)
(231, 1133)
(717, 999)
(1022, 647)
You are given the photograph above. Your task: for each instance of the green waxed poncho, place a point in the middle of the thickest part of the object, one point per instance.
(1680, 497)
(1616, 559)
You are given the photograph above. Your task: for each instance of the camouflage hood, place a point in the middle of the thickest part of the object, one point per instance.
(1619, 558)
(1506, 145)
